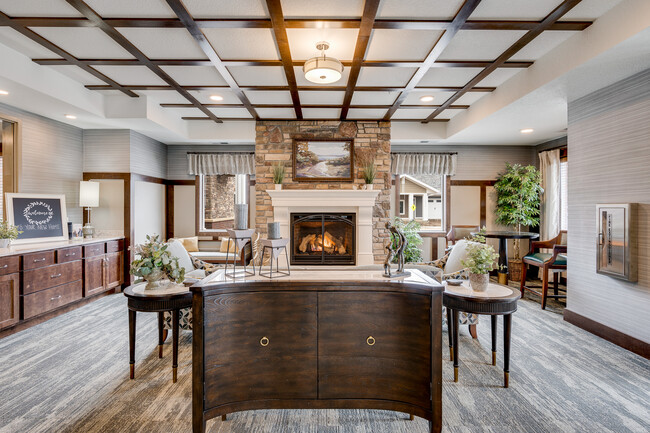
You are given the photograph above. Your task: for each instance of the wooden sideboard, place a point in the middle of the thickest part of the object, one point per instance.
(39, 279)
(317, 340)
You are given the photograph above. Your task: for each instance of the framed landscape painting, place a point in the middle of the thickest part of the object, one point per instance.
(323, 160)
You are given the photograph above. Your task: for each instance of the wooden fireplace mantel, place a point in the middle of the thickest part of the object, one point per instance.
(318, 339)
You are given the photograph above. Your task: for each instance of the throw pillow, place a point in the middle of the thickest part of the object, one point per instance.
(191, 244)
(224, 245)
(456, 257)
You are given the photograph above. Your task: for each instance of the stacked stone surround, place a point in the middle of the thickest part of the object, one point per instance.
(274, 144)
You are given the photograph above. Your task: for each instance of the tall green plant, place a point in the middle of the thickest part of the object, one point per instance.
(412, 253)
(278, 173)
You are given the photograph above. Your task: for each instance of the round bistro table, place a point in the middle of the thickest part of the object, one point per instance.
(503, 237)
(172, 298)
(497, 300)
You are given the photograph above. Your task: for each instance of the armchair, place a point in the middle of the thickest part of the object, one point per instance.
(554, 262)
(458, 232)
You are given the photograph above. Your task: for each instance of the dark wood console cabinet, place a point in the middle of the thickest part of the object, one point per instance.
(296, 343)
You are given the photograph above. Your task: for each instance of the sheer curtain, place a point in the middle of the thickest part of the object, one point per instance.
(221, 163)
(549, 163)
(423, 163)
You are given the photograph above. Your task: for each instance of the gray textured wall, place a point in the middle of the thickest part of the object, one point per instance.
(177, 157)
(609, 159)
(106, 150)
(148, 156)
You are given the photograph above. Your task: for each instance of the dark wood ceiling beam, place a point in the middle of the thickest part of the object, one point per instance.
(459, 20)
(240, 119)
(298, 23)
(366, 106)
(282, 40)
(300, 88)
(547, 22)
(5, 20)
(370, 9)
(207, 48)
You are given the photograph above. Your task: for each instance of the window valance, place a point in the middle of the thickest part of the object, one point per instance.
(415, 164)
(221, 163)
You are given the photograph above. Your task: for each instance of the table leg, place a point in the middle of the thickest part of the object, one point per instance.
(503, 261)
(507, 329)
(450, 333)
(454, 319)
(175, 331)
(160, 334)
(132, 343)
(494, 339)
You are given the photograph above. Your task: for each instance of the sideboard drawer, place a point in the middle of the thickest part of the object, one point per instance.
(38, 260)
(113, 246)
(44, 278)
(46, 300)
(9, 265)
(68, 254)
(93, 250)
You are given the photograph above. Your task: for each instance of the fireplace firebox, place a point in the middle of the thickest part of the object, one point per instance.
(323, 239)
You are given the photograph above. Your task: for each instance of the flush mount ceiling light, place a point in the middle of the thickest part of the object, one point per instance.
(426, 98)
(216, 97)
(323, 69)
(527, 131)
(3, 92)
(70, 116)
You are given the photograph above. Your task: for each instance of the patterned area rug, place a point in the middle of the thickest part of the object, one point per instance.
(70, 374)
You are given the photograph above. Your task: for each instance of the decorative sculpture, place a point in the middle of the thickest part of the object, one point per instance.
(400, 241)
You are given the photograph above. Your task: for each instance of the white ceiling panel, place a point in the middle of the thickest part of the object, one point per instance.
(276, 113)
(412, 113)
(84, 42)
(258, 75)
(226, 8)
(195, 75)
(366, 113)
(324, 9)
(419, 9)
(185, 112)
(470, 97)
(236, 44)
(448, 114)
(321, 113)
(302, 42)
(14, 40)
(77, 74)
(542, 44)
(268, 97)
(163, 96)
(374, 98)
(480, 44)
(228, 96)
(401, 44)
(131, 75)
(231, 112)
(413, 98)
(514, 10)
(436, 77)
(38, 8)
(164, 43)
(330, 97)
(590, 9)
(132, 9)
(302, 81)
(499, 77)
(385, 76)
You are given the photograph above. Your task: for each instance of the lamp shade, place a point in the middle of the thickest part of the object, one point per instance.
(88, 194)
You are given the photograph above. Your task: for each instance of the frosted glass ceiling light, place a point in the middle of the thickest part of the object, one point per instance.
(323, 69)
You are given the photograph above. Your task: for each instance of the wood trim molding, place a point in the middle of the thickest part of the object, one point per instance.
(482, 184)
(606, 333)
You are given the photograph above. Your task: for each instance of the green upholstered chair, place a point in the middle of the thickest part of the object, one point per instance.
(555, 262)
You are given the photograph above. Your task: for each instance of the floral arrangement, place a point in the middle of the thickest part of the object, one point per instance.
(154, 262)
(8, 231)
(480, 258)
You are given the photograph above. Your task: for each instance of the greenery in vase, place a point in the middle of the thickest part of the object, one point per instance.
(412, 253)
(8, 231)
(278, 173)
(369, 172)
(151, 257)
(480, 258)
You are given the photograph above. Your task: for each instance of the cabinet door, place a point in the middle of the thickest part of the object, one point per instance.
(114, 271)
(374, 346)
(94, 277)
(259, 346)
(9, 300)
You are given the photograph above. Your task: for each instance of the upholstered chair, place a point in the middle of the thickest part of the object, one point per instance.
(458, 232)
(554, 261)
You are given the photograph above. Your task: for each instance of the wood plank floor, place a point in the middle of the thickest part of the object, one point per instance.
(71, 375)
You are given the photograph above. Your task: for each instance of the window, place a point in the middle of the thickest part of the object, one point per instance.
(216, 200)
(564, 194)
(422, 198)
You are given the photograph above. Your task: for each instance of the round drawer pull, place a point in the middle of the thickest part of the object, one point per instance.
(370, 340)
(264, 341)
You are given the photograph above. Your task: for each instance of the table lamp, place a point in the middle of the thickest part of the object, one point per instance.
(88, 198)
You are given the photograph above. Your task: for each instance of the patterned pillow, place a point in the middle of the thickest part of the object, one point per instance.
(207, 267)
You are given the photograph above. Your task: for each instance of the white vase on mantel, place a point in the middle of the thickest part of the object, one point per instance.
(369, 186)
(278, 186)
(4, 243)
(479, 282)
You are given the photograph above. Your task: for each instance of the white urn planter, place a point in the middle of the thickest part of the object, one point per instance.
(369, 186)
(278, 186)
(4, 243)
(479, 282)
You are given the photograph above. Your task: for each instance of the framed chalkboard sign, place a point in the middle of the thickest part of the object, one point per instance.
(40, 217)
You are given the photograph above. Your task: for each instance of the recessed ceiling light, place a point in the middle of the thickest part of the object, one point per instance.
(216, 97)
(527, 130)
(3, 92)
(426, 98)
(70, 116)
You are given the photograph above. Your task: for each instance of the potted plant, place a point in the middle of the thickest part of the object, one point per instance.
(155, 265)
(480, 261)
(278, 175)
(8, 232)
(518, 191)
(369, 173)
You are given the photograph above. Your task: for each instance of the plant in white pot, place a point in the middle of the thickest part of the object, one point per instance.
(480, 261)
(8, 232)
(155, 265)
(278, 171)
(369, 173)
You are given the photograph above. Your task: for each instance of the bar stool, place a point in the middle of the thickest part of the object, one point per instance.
(241, 238)
(275, 247)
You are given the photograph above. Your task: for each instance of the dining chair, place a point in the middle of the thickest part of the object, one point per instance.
(555, 262)
(458, 232)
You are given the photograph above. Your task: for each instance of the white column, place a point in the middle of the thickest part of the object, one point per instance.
(364, 237)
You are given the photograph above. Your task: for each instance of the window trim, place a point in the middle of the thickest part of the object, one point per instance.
(445, 200)
(198, 207)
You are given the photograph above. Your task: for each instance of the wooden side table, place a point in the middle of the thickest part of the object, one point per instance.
(172, 298)
(498, 300)
(503, 237)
